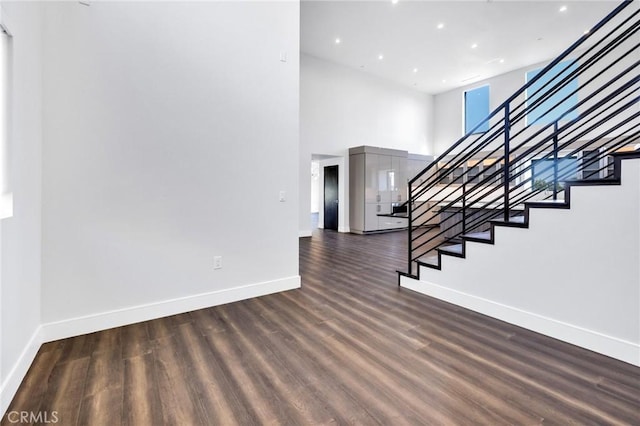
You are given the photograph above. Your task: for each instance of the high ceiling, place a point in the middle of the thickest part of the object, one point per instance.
(435, 46)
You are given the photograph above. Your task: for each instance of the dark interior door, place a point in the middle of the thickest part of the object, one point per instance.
(331, 197)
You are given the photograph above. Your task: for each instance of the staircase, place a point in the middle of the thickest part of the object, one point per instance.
(536, 221)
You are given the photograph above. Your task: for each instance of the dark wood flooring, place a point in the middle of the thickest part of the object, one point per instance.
(350, 347)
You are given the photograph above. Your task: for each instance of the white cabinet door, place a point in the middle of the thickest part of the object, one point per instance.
(371, 212)
(385, 171)
(371, 217)
(356, 192)
(371, 178)
(398, 179)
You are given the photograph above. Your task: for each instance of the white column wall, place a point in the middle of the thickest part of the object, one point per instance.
(170, 130)
(20, 234)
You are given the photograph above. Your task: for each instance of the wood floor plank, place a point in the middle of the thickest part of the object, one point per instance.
(66, 389)
(141, 405)
(179, 403)
(104, 387)
(349, 347)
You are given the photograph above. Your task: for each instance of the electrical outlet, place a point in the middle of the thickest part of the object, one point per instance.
(217, 262)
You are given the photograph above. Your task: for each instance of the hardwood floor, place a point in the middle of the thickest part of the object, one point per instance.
(350, 347)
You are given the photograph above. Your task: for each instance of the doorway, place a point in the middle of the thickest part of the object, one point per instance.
(331, 197)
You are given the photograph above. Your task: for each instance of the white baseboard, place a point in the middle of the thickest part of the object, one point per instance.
(305, 233)
(607, 345)
(11, 384)
(119, 317)
(344, 229)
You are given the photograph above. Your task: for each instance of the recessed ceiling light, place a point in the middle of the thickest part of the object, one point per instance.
(338, 41)
(394, 1)
(563, 8)
(501, 61)
(444, 81)
(440, 26)
(415, 70)
(380, 57)
(474, 45)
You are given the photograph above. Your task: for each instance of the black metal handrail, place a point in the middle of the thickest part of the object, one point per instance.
(489, 176)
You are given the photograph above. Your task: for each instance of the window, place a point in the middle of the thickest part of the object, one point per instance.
(476, 110)
(542, 171)
(555, 106)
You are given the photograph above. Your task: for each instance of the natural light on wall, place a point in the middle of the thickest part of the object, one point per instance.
(6, 195)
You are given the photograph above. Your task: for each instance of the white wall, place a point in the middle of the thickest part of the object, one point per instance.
(586, 285)
(315, 186)
(170, 129)
(341, 108)
(20, 235)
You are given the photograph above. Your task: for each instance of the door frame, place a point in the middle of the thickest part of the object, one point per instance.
(337, 188)
(343, 191)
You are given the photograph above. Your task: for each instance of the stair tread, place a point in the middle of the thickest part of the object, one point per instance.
(550, 204)
(594, 182)
(546, 202)
(428, 260)
(513, 219)
(452, 249)
(478, 236)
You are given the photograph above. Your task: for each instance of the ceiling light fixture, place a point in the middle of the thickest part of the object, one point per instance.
(380, 57)
(474, 45)
(501, 61)
(563, 8)
(338, 41)
(415, 70)
(440, 26)
(394, 1)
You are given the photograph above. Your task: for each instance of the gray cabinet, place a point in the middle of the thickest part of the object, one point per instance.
(398, 179)
(378, 181)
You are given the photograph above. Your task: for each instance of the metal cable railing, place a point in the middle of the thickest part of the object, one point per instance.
(587, 109)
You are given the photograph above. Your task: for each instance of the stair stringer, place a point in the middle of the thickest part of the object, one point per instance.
(573, 274)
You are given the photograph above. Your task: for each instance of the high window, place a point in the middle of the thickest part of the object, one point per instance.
(476, 110)
(543, 171)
